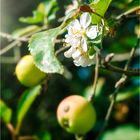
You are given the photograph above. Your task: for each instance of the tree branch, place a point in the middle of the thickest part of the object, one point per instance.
(17, 42)
(95, 78)
(27, 138)
(10, 46)
(130, 72)
(61, 50)
(10, 128)
(12, 131)
(118, 85)
(124, 56)
(125, 14)
(10, 37)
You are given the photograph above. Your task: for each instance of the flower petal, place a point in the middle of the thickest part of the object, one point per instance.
(73, 27)
(76, 54)
(84, 45)
(76, 63)
(69, 53)
(82, 61)
(91, 61)
(85, 20)
(92, 32)
(74, 41)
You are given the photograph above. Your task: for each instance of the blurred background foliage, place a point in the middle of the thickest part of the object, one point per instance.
(41, 118)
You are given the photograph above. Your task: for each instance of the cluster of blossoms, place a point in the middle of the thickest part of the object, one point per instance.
(79, 34)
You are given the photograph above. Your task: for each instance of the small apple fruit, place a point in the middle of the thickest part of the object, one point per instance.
(27, 73)
(76, 114)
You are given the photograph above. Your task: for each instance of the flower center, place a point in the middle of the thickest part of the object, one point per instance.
(79, 32)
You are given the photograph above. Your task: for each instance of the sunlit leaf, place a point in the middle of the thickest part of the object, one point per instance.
(26, 101)
(41, 8)
(38, 17)
(128, 94)
(100, 7)
(121, 133)
(51, 7)
(5, 112)
(45, 12)
(90, 1)
(41, 47)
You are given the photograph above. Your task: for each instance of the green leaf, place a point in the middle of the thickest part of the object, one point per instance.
(26, 101)
(38, 17)
(5, 112)
(130, 93)
(90, 1)
(45, 12)
(24, 31)
(51, 7)
(41, 47)
(100, 7)
(125, 4)
(41, 8)
(127, 132)
(44, 135)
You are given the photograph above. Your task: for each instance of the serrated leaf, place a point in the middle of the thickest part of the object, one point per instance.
(26, 101)
(25, 30)
(5, 112)
(100, 7)
(41, 47)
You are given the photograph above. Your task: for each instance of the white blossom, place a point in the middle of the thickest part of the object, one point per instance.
(79, 31)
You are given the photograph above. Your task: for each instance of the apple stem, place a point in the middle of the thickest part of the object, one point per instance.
(79, 137)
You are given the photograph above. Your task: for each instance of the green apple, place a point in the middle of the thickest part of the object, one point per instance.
(76, 114)
(27, 73)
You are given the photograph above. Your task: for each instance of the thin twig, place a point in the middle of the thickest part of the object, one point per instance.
(61, 50)
(17, 53)
(27, 138)
(11, 130)
(124, 56)
(127, 13)
(17, 42)
(95, 78)
(130, 72)
(10, 37)
(118, 85)
(59, 41)
(8, 60)
(10, 46)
